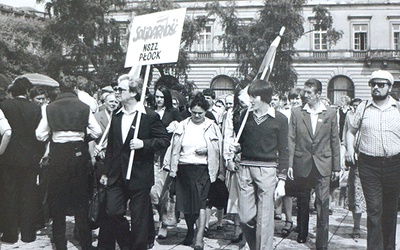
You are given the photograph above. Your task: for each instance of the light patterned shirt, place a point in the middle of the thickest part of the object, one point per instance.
(380, 128)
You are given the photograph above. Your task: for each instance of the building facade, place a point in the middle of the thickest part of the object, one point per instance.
(371, 41)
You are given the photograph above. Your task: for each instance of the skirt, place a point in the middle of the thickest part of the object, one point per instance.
(355, 194)
(192, 187)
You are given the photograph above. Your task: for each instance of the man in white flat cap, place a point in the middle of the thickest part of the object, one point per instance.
(378, 146)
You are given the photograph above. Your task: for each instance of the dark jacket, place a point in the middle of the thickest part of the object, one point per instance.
(154, 137)
(24, 117)
(321, 148)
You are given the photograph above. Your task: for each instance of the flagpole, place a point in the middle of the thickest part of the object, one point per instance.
(267, 63)
(138, 118)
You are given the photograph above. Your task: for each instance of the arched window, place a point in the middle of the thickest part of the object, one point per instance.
(340, 86)
(222, 85)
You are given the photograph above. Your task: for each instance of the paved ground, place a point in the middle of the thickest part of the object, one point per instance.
(340, 227)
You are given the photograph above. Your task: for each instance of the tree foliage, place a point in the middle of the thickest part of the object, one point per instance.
(82, 36)
(83, 41)
(20, 45)
(250, 41)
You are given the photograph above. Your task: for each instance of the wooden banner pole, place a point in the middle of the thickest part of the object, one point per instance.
(138, 118)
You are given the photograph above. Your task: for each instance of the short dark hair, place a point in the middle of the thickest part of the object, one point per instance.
(294, 93)
(83, 84)
(67, 83)
(261, 88)
(209, 92)
(20, 86)
(200, 101)
(314, 83)
(167, 96)
(36, 91)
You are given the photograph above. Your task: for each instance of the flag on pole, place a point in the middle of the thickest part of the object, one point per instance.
(265, 68)
(269, 58)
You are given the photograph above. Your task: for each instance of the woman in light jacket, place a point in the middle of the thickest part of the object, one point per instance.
(194, 157)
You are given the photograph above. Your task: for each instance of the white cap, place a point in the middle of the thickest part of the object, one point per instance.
(382, 74)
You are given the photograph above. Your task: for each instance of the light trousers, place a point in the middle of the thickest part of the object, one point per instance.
(256, 205)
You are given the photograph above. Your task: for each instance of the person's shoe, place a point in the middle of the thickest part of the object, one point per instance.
(8, 240)
(278, 217)
(237, 239)
(355, 233)
(301, 240)
(198, 248)
(219, 228)
(162, 233)
(150, 245)
(287, 228)
(188, 241)
(206, 234)
(27, 240)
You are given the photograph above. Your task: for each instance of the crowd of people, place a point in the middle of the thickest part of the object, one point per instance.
(252, 154)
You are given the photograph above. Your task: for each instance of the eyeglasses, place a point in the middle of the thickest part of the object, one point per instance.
(372, 84)
(119, 90)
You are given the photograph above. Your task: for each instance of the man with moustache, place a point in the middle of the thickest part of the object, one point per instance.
(378, 124)
(314, 158)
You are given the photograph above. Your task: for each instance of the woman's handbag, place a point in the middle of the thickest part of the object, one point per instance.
(218, 195)
(168, 216)
(96, 203)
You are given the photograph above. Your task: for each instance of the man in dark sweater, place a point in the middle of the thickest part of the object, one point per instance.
(70, 123)
(264, 157)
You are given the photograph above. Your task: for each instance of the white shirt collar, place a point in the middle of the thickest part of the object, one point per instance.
(138, 107)
(320, 108)
(270, 112)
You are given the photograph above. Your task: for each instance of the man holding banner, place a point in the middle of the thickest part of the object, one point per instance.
(264, 157)
(152, 136)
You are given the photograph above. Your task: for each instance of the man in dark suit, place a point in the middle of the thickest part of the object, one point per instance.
(21, 164)
(314, 150)
(152, 136)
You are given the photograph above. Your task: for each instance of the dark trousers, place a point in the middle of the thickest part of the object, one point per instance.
(118, 229)
(69, 191)
(380, 179)
(20, 203)
(321, 186)
(1, 198)
(81, 224)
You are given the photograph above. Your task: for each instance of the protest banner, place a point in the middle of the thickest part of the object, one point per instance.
(154, 39)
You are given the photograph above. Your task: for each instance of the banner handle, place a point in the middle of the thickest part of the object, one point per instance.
(138, 118)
